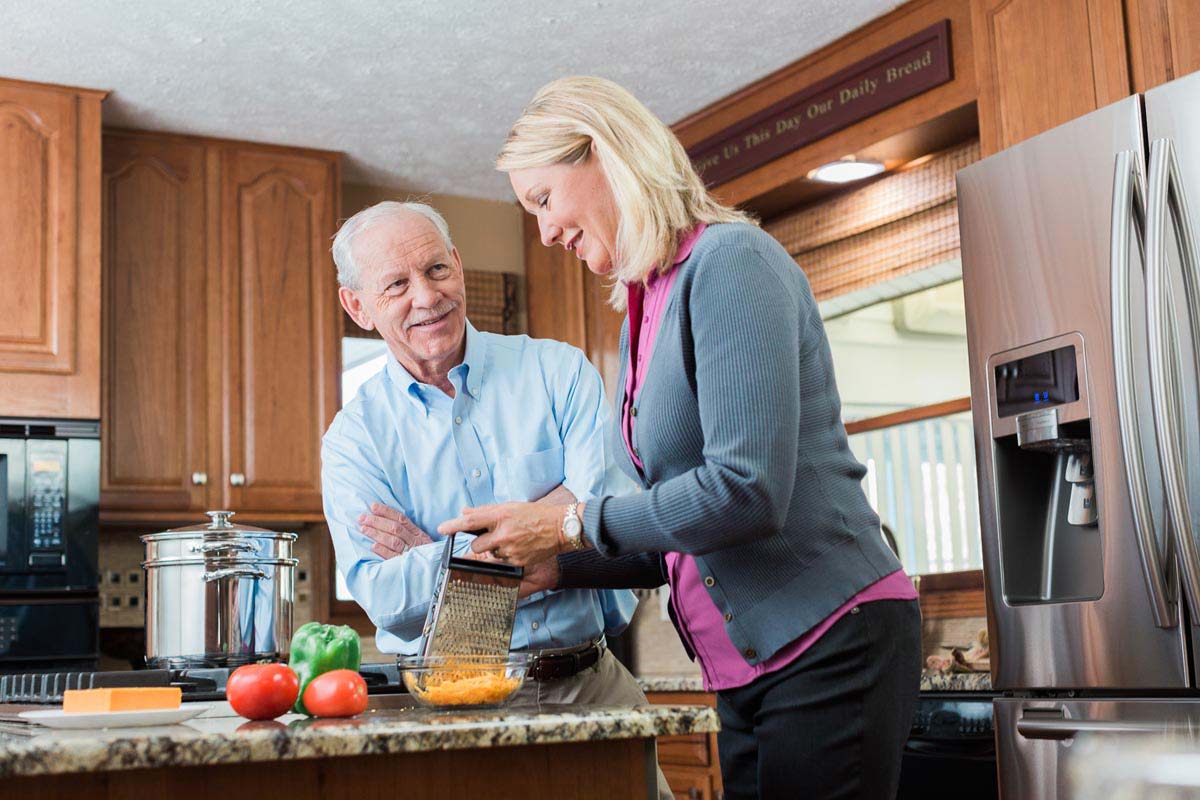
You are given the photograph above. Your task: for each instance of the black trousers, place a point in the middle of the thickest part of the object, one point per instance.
(833, 723)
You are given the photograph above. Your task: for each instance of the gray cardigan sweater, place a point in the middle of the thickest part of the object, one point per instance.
(747, 467)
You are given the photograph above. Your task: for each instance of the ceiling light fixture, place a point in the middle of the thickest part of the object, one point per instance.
(846, 170)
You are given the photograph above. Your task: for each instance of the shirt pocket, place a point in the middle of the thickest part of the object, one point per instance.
(531, 477)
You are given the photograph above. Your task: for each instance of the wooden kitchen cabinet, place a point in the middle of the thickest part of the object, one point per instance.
(280, 325)
(1164, 40)
(569, 303)
(50, 263)
(221, 328)
(155, 406)
(689, 762)
(1040, 64)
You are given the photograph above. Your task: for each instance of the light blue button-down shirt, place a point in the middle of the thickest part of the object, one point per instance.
(526, 416)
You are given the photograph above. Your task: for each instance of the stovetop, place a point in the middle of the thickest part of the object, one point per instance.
(197, 683)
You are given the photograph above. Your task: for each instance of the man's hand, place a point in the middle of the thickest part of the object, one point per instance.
(392, 531)
(541, 577)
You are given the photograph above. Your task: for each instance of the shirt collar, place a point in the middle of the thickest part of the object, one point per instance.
(687, 243)
(472, 367)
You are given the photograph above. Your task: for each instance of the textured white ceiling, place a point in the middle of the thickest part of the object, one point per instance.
(418, 94)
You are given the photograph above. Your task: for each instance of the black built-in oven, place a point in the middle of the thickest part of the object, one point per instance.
(49, 521)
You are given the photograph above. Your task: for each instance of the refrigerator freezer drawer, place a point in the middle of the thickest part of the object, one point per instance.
(1043, 746)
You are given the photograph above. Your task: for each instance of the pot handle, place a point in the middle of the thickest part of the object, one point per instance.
(216, 547)
(234, 572)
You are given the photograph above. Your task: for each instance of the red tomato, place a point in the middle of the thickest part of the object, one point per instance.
(262, 691)
(337, 693)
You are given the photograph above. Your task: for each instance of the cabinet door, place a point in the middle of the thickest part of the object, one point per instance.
(155, 263)
(1040, 64)
(279, 328)
(1164, 40)
(50, 264)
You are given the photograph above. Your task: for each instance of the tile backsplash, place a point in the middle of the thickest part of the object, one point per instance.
(657, 650)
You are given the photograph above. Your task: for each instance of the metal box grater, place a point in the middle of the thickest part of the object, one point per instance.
(473, 607)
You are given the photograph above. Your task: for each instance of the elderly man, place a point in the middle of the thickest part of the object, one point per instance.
(459, 418)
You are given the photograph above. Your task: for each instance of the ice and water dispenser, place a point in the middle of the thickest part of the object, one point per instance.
(1046, 497)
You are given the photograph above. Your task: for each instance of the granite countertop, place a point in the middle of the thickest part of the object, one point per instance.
(955, 682)
(391, 725)
(671, 683)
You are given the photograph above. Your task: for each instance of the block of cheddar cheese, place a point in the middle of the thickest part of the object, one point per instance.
(140, 698)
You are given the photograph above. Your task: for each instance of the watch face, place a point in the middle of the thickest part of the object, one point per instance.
(572, 527)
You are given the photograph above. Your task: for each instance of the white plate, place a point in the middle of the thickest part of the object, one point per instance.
(57, 718)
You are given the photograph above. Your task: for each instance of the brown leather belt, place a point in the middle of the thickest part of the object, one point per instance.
(555, 665)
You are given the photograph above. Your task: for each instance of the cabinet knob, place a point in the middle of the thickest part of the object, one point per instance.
(237, 479)
(199, 478)
(693, 793)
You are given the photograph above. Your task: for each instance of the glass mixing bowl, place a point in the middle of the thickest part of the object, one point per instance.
(464, 681)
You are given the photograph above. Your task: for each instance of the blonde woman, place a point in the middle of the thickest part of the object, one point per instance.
(753, 512)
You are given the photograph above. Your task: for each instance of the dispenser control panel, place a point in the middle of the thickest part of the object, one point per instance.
(1037, 381)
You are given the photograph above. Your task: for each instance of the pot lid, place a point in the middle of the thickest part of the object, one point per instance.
(220, 524)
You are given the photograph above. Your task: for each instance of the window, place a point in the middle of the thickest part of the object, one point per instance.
(901, 367)
(361, 359)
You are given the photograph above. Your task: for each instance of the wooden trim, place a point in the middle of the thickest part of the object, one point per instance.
(312, 152)
(952, 595)
(59, 87)
(908, 415)
(946, 581)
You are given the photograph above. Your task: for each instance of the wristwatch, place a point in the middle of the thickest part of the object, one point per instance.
(572, 527)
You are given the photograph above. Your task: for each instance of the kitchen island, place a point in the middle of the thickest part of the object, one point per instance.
(392, 749)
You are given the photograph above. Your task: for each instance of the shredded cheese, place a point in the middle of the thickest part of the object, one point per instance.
(452, 686)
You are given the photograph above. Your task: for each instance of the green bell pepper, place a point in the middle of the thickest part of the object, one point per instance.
(319, 648)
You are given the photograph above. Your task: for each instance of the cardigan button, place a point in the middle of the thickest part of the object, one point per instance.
(709, 581)
(854, 610)
(728, 617)
(633, 411)
(750, 652)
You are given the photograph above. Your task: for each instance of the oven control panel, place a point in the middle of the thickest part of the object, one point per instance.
(47, 473)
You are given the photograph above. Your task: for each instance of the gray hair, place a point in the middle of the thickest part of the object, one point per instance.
(343, 243)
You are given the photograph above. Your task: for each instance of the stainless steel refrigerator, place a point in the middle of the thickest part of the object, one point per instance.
(1082, 286)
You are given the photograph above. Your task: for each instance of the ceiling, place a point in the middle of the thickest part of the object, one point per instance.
(418, 93)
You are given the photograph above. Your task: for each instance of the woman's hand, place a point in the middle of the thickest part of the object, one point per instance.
(518, 533)
(541, 577)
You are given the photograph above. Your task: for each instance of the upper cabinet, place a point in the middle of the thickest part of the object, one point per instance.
(155, 343)
(1040, 64)
(280, 324)
(1164, 40)
(220, 345)
(50, 263)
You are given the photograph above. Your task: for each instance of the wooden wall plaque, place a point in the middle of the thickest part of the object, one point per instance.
(904, 70)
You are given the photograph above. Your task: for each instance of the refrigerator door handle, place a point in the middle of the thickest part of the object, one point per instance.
(1128, 211)
(1047, 727)
(1165, 198)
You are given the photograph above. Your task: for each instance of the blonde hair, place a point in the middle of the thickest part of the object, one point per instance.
(657, 192)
